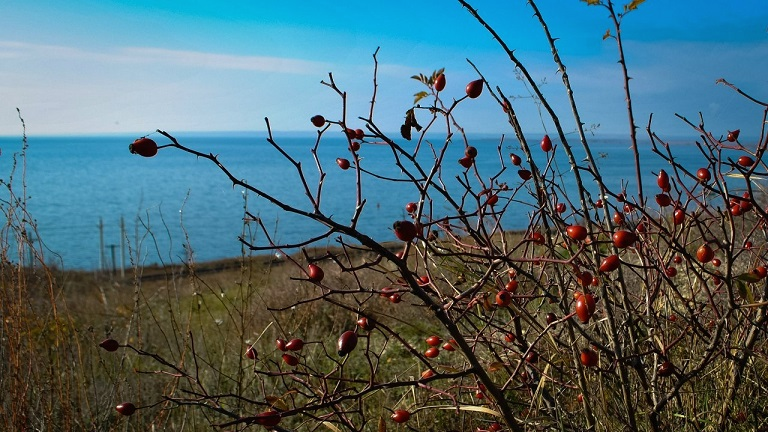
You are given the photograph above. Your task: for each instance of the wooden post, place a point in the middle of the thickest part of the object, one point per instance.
(114, 264)
(122, 247)
(29, 236)
(136, 246)
(101, 244)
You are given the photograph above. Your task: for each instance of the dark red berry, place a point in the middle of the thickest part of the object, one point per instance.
(315, 273)
(342, 163)
(280, 344)
(400, 416)
(144, 147)
(466, 161)
(251, 353)
(439, 84)
(110, 345)
(366, 324)
(290, 360)
(474, 88)
(746, 161)
(733, 135)
(404, 230)
(126, 408)
(347, 342)
(318, 120)
(267, 418)
(546, 143)
(703, 175)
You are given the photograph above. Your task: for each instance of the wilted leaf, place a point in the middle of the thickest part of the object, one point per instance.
(419, 96)
(405, 131)
(632, 5)
(474, 408)
(276, 402)
(591, 2)
(382, 425)
(487, 304)
(607, 34)
(410, 119)
(495, 366)
(331, 426)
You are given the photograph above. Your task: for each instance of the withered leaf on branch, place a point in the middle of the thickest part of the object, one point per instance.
(405, 131)
(410, 121)
(419, 96)
(632, 5)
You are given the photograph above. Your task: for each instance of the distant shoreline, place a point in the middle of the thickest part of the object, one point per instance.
(301, 134)
(156, 271)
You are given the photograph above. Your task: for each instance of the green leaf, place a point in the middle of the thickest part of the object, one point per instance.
(748, 277)
(563, 253)
(745, 292)
(607, 34)
(419, 78)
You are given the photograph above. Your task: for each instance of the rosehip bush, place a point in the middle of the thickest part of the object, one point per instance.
(565, 325)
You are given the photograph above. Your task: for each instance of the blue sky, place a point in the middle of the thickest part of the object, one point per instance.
(102, 66)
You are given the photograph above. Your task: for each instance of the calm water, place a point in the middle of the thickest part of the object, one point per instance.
(74, 182)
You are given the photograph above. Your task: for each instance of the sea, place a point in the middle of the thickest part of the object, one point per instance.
(92, 205)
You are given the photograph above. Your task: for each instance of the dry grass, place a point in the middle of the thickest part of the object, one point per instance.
(219, 308)
(201, 318)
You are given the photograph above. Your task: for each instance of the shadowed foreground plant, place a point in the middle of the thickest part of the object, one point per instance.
(46, 361)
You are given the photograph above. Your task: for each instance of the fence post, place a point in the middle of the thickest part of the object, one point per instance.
(101, 244)
(122, 247)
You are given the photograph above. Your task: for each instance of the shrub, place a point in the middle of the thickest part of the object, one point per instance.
(611, 310)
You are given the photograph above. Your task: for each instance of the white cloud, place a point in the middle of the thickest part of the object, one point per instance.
(671, 77)
(62, 89)
(186, 58)
(224, 61)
